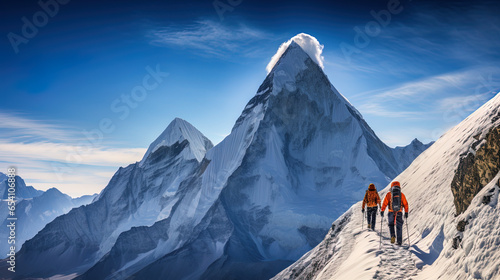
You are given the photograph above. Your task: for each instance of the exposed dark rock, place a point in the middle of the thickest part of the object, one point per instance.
(456, 241)
(487, 199)
(461, 225)
(495, 118)
(475, 171)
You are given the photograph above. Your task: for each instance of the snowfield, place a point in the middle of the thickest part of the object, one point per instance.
(347, 252)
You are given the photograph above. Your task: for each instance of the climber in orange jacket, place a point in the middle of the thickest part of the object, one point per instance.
(396, 201)
(371, 200)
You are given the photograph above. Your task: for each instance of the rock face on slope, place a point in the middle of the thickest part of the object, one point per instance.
(476, 169)
(299, 155)
(444, 245)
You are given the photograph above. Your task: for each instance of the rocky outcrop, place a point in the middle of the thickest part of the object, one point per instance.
(457, 240)
(461, 226)
(476, 169)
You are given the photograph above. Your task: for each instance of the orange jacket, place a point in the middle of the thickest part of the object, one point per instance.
(371, 198)
(387, 199)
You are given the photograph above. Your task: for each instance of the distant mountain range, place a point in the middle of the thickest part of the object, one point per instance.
(34, 209)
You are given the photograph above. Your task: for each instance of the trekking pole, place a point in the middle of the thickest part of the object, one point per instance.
(380, 244)
(408, 234)
(363, 222)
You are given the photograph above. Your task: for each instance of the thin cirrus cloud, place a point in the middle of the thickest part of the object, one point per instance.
(15, 125)
(433, 94)
(209, 38)
(52, 155)
(68, 154)
(442, 83)
(382, 110)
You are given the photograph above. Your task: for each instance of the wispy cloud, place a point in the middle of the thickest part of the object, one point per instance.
(71, 154)
(381, 110)
(53, 155)
(468, 103)
(441, 83)
(468, 89)
(17, 125)
(209, 38)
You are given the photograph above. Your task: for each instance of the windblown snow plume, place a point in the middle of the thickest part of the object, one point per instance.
(307, 42)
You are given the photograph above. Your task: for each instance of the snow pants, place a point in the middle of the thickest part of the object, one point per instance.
(398, 221)
(371, 216)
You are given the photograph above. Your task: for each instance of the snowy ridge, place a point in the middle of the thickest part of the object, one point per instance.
(432, 222)
(226, 157)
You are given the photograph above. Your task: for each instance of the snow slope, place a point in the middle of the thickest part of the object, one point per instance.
(349, 251)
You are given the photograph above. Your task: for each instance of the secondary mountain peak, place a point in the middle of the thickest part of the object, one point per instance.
(303, 44)
(178, 131)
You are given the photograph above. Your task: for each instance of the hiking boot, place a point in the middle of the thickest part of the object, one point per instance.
(369, 226)
(393, 239)
(399, 243)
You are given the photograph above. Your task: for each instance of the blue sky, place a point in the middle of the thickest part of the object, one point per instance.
(75, 105)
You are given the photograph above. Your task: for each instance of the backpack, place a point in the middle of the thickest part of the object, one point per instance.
(371, 196)
(396, 198)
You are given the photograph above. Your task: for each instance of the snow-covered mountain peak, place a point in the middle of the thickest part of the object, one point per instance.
(178, 131)
(302, 42)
